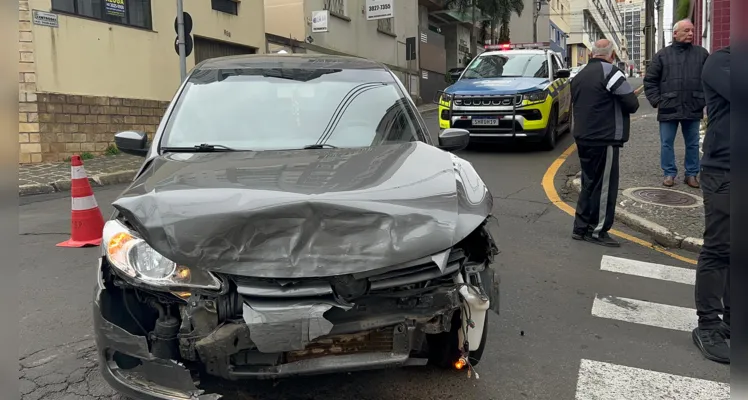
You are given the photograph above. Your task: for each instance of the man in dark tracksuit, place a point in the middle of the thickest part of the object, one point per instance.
(602, 100)
(713, 270)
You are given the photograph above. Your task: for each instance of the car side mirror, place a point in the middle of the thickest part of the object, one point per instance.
(132, 142)
(453, 139)
(563, 73)
(455, 75)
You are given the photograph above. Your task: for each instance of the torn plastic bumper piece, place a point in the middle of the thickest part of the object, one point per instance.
(153, 379)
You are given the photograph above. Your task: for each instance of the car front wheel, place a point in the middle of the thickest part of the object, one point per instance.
(444, 348)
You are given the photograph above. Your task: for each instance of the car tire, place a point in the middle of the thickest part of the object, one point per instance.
(444, 348)
(551, 132)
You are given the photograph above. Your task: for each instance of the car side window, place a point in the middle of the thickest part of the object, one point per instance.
(556, 66)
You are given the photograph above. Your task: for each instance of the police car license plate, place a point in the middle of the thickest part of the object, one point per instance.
(485, 121)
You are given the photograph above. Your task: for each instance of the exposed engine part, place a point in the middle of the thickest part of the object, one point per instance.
(164, 335)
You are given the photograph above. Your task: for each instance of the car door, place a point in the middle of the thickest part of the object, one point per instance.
(563, 90)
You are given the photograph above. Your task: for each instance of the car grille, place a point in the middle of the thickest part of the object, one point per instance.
(407, 274)
(381, 340)
(488, 100)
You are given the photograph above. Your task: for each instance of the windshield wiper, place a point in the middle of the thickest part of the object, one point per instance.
(200, 148)
(319, 146)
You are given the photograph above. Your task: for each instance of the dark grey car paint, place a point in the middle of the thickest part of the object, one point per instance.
(306, 213)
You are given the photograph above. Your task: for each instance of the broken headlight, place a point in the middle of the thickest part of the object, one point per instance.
(132, 256)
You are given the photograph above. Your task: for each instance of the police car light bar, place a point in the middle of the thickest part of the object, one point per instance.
(518, 46)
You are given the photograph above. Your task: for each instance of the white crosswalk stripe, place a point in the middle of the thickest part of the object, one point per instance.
(648, 270)
(606, 381)
(645, 313)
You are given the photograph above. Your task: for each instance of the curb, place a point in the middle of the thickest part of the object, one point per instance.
(428, 108)
(106, 179)
(658, 233)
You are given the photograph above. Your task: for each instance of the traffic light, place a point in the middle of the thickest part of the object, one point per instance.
(189, 44)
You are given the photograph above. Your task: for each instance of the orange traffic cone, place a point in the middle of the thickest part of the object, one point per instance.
(87, 223)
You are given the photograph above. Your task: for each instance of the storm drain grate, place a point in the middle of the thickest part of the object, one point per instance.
(664, 197)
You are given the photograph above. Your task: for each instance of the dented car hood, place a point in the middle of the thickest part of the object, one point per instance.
(305, 213)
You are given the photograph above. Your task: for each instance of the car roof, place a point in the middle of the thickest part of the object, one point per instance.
(521, 51)
(293, 61)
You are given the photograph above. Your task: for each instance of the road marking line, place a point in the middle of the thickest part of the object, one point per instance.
(604, 381)
(550, 191)
(645, 313)
(648, 270)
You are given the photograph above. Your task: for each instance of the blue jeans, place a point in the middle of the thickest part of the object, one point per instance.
(668, 130)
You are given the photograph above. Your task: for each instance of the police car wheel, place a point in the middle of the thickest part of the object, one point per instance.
(549, 140)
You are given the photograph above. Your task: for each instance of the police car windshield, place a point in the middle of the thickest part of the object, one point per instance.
(274, 109)
(507, 65)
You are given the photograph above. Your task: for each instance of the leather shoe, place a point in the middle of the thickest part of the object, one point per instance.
(692, 182)
(669, 181)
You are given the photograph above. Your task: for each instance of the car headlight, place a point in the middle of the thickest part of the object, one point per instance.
(132, 256)
(536, 96)
(445, 98)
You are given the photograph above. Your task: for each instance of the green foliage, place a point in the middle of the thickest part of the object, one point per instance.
(500, 12)
(111, 150)
(86, 156)
(682, 11)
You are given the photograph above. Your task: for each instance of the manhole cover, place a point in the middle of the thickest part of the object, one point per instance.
(664, 197)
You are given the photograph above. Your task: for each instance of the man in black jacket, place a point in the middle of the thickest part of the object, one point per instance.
(602, 100)
(713, 270)
(672, 84)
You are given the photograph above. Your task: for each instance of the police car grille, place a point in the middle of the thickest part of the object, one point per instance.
(488, 100)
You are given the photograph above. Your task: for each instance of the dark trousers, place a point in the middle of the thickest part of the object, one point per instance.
(713, 270)
(597, 200)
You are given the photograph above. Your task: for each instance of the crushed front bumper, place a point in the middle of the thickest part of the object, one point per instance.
(386, 333)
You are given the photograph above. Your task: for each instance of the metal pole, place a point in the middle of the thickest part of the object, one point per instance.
(649, 42)
(181, 42)
(537, 5)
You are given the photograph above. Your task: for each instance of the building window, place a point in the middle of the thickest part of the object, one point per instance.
(135, 13)
(386, 25)
(226, 6)
(336, 7)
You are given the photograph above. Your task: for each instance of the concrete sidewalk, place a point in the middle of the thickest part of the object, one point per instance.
(673, 217)
(105, 170)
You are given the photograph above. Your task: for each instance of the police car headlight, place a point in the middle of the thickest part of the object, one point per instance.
(134, 258)
(536, 96)
(445, 98)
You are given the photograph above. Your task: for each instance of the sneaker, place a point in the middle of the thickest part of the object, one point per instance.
(603, 240)
(712, 344)
(725, 330)
(577, 236)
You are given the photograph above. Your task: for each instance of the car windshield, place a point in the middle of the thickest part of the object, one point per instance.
(506, 65)
(276, 108)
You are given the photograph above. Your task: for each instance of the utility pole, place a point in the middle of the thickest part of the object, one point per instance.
(473, 38)
(181, 42)
(660, 30)
(535, 14)
(649, 42)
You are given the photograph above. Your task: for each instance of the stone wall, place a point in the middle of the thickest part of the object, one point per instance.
(28, 117)
(73, 124)
(54, 126)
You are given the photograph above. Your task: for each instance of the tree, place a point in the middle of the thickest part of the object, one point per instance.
(684, 9)
(499, 12)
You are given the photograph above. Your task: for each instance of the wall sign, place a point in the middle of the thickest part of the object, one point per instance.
(319, 20)
(46, 19)
(115, 8)
(379, 9)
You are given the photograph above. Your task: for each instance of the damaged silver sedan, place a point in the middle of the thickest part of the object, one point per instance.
(292, 217)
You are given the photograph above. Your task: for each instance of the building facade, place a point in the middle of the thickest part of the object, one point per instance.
(632, 12)
(345, 30)
(712, 23)
(592, 20)
(91, 68)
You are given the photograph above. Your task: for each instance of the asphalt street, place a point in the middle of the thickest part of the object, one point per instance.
(577, 321)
